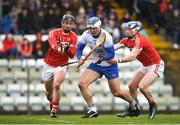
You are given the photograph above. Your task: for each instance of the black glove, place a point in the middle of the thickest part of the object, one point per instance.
(60, 45)
(67, 47)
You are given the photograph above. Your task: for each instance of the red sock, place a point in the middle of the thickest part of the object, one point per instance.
(54, 104)
(152, 103)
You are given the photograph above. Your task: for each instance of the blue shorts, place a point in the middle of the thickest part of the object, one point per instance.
(110, 72)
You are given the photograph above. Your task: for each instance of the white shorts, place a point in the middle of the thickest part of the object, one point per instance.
(157, 68)
(49, 71)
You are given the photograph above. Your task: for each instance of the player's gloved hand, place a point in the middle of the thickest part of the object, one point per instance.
(99, 60)
(63, 47)
(67, 46)
(60, 49)
(80, 63)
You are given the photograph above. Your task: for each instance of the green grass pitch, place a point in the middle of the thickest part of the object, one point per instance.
(75, 119)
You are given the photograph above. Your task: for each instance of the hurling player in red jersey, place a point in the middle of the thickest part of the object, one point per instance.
(62, 43)
(152, 65)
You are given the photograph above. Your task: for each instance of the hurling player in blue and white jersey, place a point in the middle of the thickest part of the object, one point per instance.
(97, 70)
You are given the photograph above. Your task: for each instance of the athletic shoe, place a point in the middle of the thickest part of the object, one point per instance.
(130, 112)
(90, 114)
(53, 113)
(152, 111)
(137, 111)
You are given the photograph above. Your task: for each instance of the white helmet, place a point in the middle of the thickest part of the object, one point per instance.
(94, 22)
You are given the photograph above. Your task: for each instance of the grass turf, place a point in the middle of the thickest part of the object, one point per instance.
(75, 119)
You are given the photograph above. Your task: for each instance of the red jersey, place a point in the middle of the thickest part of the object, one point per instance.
(148, 55)
(8, 44)
(53, 57)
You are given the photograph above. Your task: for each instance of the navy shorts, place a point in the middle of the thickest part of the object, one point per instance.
(110, 72)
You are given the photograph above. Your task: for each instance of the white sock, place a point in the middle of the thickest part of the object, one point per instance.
(92, 107)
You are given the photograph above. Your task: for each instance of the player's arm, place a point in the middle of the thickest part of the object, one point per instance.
(121, 44)
(109, 55)
(79, 50)
(131, 56)
(79, 54)
(118, 46)
(52, 40)
(71, 49)
(109, 48)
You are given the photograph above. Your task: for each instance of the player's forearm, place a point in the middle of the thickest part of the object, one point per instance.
(71, 51)
(127, 58)
(110, 53)
(118, 46)
(79, 50)
(53, 44)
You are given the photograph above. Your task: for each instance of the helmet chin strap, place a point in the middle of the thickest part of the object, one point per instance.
(131, 37)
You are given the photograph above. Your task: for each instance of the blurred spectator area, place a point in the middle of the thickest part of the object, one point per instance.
(39, 44)
(32, 16)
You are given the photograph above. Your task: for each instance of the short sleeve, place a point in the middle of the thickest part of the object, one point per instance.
(83, 37)
(108, 40)
(124, 41)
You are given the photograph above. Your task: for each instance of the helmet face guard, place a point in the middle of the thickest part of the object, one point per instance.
(94, 22)
(68, 18)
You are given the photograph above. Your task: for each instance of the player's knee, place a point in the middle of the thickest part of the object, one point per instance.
(132, 87)
(81, 85)
(142, 88)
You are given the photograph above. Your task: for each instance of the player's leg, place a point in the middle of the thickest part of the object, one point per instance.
(154, 71)
(59, 77)
(49, 90)
(48, 81)
(111, 73)
(124, 94)
(117, 91)
(88, 77)
(147, 81)
(133, 85)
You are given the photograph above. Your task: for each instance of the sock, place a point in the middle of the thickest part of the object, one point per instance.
(54, 104)
(92, 107)
(133, 104)
(151, 103)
